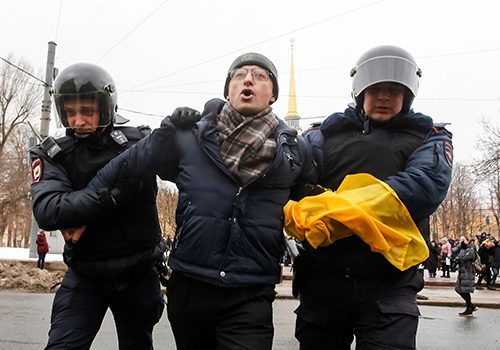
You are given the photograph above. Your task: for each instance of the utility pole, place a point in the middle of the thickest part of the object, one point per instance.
(44, 127)
(47, 99)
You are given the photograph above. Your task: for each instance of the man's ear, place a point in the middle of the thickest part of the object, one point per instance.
(272, 100)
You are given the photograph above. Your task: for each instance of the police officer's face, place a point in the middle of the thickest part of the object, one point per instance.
(82, 115)
(252, 92)
(383, 100)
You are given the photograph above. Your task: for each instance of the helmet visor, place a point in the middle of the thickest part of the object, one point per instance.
(385, 69)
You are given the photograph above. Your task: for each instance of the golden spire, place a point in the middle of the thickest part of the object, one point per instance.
(292, 117)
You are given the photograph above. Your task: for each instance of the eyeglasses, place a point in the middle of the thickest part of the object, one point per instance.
(257, 74)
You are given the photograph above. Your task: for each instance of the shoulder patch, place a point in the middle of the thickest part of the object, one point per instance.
(448, 152)
(36, 170)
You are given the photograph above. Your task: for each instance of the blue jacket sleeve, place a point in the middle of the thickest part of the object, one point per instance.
(424, 183)
(308, 176)
(148, 157)
(315, 139)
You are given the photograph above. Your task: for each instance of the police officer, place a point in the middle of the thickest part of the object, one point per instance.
(389, 168)
(112, 243)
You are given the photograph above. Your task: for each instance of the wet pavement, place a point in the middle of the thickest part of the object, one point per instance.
(25, 320)
(26, 316)
(439, 291)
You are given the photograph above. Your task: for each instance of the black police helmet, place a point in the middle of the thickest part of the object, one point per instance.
(86, 81)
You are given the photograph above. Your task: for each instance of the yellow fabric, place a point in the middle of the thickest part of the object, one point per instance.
(365, 206)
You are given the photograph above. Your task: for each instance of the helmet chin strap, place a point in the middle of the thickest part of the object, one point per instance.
(99, 130)
(82, 136)
(366, 123)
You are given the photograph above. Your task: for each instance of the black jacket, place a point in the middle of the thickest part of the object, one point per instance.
(227, 234)
(117, 241)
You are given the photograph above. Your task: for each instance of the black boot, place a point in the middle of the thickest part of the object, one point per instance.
(468, 312)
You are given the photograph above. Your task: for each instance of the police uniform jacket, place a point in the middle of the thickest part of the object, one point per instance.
(117, 241)
(409, 153)
(227, 234)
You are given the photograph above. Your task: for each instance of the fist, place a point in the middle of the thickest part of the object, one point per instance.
(185, 117)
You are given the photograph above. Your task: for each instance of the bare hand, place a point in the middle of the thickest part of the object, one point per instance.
(73, 234)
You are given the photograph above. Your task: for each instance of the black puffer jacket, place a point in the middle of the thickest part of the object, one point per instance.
(226, 234)
(116, 241)
(466, 274)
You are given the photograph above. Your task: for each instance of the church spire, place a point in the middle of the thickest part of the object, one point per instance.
(292, 117)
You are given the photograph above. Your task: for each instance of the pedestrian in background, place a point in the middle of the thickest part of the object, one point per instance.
(481, 237)
(445, 257)
(495, 263)
(485, 252)
(432, 261)
(466, 274)
(42, 248)
(388, 169)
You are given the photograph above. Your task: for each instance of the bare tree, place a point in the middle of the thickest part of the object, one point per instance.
(15, 204)
(494, 198)
(488, 144)
(20, 96)
(488, 168)
(458, 214)
(167, 204)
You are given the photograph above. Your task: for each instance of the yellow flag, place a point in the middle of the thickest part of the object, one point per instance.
(366, 207)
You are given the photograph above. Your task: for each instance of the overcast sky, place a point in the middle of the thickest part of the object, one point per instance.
(168, 53)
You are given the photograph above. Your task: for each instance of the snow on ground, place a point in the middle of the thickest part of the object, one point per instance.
(23, 254)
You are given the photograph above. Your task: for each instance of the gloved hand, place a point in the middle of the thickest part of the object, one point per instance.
(125, 192)
(305, 190)
(73, 234)
(184, 117)
(126, 188)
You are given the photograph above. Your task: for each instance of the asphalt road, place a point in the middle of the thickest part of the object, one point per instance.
(25, 319)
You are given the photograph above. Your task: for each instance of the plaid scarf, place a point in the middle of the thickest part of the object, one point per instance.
(246, 146)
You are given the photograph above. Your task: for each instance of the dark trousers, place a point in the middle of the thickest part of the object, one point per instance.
(445, 268)
(486, 275)
(467, 298)
(41, 260)
(209, 317)
(382, 314)
(80, 305)
(494, 274)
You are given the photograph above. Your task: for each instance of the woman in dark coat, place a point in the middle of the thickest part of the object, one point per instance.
(432, 261)
(495, 263)
(466, 274)
(485, 253)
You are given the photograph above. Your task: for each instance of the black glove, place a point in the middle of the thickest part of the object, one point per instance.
(126, 188)
(304, 190)
(184, 117)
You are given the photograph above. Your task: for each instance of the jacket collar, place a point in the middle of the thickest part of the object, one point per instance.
(410, 120)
